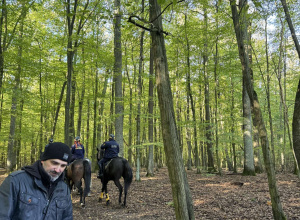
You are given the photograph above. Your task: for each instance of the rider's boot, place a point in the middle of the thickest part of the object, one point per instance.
(100, 174)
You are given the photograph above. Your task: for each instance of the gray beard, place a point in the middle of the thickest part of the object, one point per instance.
(52, 179)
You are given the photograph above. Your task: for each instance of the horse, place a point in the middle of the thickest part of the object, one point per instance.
(75, 172)
(115, 169)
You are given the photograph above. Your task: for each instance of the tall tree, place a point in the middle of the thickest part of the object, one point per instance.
(275, 199)
(188, 96)
(247, 125)
(11, 148)
(296, 115)
(119, 109)
(150, 167)
(7, 18)
(180, 189)
(208, 129)
(73, 32)
(139, 100)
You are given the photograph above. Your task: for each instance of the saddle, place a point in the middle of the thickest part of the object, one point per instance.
(108, 162)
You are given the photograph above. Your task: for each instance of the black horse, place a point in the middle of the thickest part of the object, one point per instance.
(115, 169)
(76, 171)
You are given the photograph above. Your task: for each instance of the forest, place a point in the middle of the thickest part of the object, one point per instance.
(209, 86)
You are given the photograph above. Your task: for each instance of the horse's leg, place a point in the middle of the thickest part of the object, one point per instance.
(79, 187)
(118, 184)
(126, 186)
(106, 193)
(102, 191)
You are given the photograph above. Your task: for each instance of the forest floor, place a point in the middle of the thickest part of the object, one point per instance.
(215, 197)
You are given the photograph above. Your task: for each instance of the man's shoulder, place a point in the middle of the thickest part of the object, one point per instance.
(18, 173)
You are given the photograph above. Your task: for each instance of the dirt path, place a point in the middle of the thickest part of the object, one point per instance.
(214, 197)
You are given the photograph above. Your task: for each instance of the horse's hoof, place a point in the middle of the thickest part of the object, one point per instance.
(107, 202)
(99, 200)
(82, 205)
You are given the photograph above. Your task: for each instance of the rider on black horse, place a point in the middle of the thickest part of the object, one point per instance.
(111, 150)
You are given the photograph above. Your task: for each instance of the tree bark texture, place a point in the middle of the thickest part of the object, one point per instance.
(119, 109)
(150, 167)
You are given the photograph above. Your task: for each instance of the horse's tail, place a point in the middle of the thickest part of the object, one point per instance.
(87, 177)
(128, 176)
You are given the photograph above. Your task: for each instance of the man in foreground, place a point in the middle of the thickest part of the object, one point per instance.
(38, 191)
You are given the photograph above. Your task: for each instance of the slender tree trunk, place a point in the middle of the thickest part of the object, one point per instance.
(180, 188)
(217, 94)
(234, 168)
(275, 199)
(129, 151)
(139, 100)
(178, 99)
(188, 95)
(296, 116)
(119, 109)
(95, 110)
(81, 99)
(72, 45)
(70, 54)
(3, 35)
(58, 107)
(150, 167)
(268, 89)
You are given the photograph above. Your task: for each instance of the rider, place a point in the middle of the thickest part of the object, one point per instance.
(111, 150)
(77, 149)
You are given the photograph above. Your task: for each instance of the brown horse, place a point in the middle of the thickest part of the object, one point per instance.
(76, 171)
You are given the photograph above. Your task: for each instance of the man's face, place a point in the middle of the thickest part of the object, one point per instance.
(54, 167)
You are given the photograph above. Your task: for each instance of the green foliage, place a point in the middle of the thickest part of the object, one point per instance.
(44, 68)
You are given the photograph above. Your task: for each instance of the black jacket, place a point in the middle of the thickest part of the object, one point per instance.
(26, 195)
(111, 148)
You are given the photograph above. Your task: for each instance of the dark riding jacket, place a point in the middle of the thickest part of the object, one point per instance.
(26, 195)
(111, 148)
(77, 151)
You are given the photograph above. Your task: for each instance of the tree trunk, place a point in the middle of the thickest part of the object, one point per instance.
(119, 109)
(249, 168)
(275, 199)
(81, 99)
(72, 46)
(234, 168)
(296, 116)
(150, 167)
(139, 100)
(94, 145)
(188, 95)
(180, 189)
(217, 94)
(247, 126)
(268, 90)
(58, 107)
(208, 133)
(70, 54)
(129, 151)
